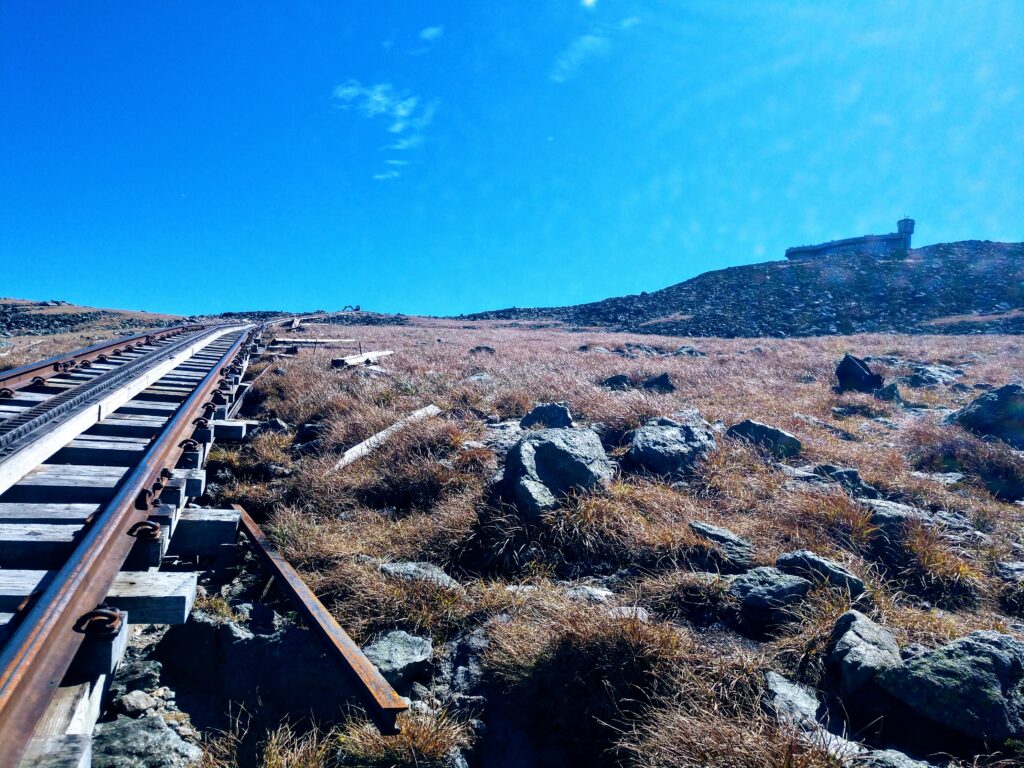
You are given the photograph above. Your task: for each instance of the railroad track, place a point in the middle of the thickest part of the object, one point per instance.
(101, 451)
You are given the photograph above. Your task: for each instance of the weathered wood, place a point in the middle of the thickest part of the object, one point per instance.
(128, 425)
(35, 545)
(147, 597)
(47, 513)
(194, 479)
(370, 444)
(65, 483)
(232, 429)
(66, 751)
(102, 450)
(204, 531)
(364, 359)
(150, 408)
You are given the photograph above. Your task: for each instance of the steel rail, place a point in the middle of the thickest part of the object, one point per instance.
(17, 377)
(382, 702)
(40, 650)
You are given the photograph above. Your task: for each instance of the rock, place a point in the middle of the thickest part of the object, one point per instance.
(791, 703)
(661, 383)
(999, 414)
(763, 595)
(417, 571)
(858, 651)
(619, 382)
(738, 551)
(274, 425)
(810, 565)
(482, 349)
(547, 415)
(502, 436)
(144, 743)
(854, 375)
(629, 612)
(1010, 572)
(588, 593)
(890, 393)
(849, 478)
(545, 465)
(931, 376)
(688, 351)
(136, 703)
(401, 658)
(888, 758)
(310, 431)
(780, 444)
(671, 448)
(480, 378)
(971, 685)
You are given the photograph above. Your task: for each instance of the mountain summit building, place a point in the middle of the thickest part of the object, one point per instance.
(876, 245)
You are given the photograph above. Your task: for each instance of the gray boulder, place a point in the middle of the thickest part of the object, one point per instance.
(858, 651)
(135, 703)
(999, 413)
(400, 657)
(144, 743)
(854, 375)
(890, 393)
(661, 383)
(791, 703)
(972, 685)
(812, 566)
(418, 571)
(780, 444)
(849, 478)
(670, 447)
(547, 415)
(480, 378)
(738, 552)
(546, 465)
(764, 596)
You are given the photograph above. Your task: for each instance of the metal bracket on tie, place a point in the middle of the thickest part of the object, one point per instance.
(116, 353)
(39, 381)
(209, 409)
(218, 398)
(101, 622)
(145, 530)
(143, 498)
(188, 445)
(85, 364)
(6, 393)
(200, 422)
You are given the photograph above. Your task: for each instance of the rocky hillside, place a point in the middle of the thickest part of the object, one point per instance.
(19, 317)
(965, 287)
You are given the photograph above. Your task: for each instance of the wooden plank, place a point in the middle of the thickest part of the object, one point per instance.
(34, 545)
(128, 425)
(65, 483)
(148, 597)
(204, 531)
(102, 450)
(47, 513)
(363, 359)
(370, 444)
(194, 480)
(66, 751)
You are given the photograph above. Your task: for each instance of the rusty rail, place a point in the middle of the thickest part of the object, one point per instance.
(25, 374)
(41, 648)
(380, 699)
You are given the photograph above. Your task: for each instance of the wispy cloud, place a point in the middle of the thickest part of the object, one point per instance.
(430, 34)
(404, 115)
(595, 44)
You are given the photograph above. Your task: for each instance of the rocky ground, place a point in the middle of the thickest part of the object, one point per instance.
(621, 550)
(951, 288)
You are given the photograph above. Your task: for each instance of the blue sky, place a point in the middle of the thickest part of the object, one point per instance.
(445, 157)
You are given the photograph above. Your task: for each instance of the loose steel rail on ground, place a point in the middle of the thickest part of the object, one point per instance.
(49, 628)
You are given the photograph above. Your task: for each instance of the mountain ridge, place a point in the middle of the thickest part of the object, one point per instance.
(969, 286)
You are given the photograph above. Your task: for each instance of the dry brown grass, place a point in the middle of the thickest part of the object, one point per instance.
(424, 741)
(653, 693)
